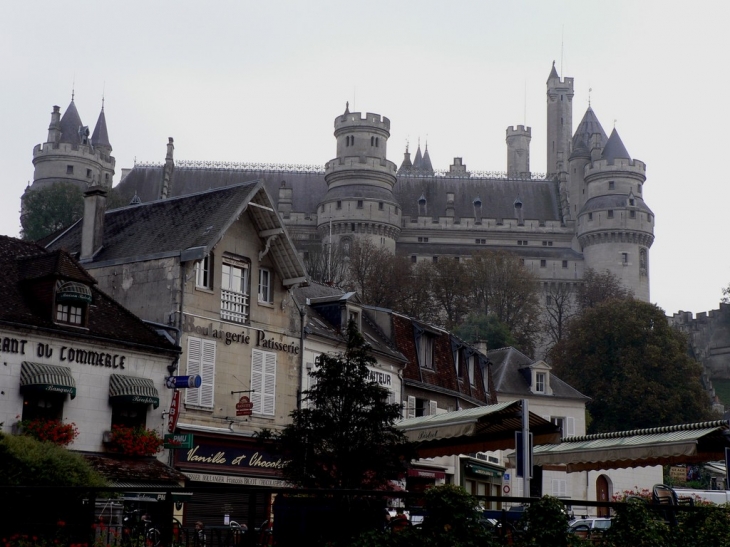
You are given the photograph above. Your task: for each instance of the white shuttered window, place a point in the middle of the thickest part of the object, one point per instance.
(201, 360)
(263, 382)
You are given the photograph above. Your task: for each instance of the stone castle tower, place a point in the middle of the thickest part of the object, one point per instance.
(359, 201)
(72, 153)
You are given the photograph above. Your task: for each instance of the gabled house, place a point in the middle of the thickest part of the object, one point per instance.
(217, 268)
(328, 311)
(517, 377)
(73, 355)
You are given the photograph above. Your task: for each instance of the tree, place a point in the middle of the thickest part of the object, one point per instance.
(344, 436)
(326, 265)
(634, 366)
(50, 208)
(598, 287)
(503, 287)
(488, 328)
(560, 307)
(25, 461)
(449, 290)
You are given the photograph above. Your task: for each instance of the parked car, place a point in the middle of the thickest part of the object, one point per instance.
(593, 523)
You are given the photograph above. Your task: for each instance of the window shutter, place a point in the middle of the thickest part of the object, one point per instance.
(560, 488)
(269, 398)
(194, 362)
(432, 406)
(570, 426)
(411, 408)
(263, 382)
(207, 373)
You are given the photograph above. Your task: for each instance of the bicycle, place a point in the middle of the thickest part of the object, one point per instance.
(139, 532)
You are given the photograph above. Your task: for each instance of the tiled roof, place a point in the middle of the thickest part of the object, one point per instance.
(506, 365)
(122, 470)
(26, 264)
(615, 148)
(167, 227)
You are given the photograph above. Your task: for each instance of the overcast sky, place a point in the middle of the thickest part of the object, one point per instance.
(263, 81)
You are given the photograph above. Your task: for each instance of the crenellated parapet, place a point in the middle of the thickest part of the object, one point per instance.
(600, 237)
(617, 167)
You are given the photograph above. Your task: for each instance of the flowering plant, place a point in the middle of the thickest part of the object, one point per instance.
(52, 431)
(135, 441)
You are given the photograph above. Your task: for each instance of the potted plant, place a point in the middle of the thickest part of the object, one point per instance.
(133, 441)
(52, 431)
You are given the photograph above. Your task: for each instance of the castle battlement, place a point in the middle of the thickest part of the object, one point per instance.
(357, 120)
(635, 167)
(519, 130)
(80, 151)
(360, 162)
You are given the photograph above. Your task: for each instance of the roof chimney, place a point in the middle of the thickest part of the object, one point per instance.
(92, 229)
(169, 169)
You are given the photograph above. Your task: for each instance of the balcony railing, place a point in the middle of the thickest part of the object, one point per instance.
(234, 306)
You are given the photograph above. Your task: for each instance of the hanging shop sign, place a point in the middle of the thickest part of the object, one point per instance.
(178, 440)
(174, 412)
(183, 382)
(244, 407)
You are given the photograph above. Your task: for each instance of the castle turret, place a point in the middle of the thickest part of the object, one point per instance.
(559, 121)
(359, 202)
(70, 153)
(588, 142)
(615, 226)
(518, 151)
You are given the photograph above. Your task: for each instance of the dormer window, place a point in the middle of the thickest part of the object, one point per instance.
(72, 299)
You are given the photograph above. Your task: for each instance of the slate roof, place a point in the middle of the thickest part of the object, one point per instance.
(319, 325)
(540, 198)
(169, 227)
(506, 365)
(587, 127)
(25, 264)
(70, 124)
(613, 201)
(615, 148)
(553, 73)
(100, 137)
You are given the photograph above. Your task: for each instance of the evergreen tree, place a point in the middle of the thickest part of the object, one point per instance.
(344, 436)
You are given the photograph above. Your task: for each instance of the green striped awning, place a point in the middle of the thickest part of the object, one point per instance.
(133, 389)
(51, 378)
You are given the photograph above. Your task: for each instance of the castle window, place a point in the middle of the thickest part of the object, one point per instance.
(548, 300)
(480, 241)
(543, 263)
(397, 210)
(565, 263)
(632, 202)
(352, 226)
(372, 141)
(638, 188)
(414, 259)
(69, 169)
(88, 173)
(590, 216)
(377, 142)
(611, 185)
(359, 204)
(106, 177)
(610, 213)
(380, 206)
(521, 242)
(649, 217)
(339, 205)
(423, 240)
(632, 214)
(435, 259)
(625, 259)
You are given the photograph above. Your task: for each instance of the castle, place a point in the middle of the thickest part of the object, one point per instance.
(587, 211)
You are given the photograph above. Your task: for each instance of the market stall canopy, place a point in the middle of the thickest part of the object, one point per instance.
(686, 443)
(50, 378)
(479, 429)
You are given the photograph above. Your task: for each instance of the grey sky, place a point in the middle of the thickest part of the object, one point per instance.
(263, 82)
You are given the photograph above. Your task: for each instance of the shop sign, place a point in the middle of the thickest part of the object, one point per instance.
(178, 440)
(678, 473)
(174, 412)
(183, 382)
(238, 480)
(244, 407)
(482, 471)
(72, 354)
(260, 339)
(229, 457)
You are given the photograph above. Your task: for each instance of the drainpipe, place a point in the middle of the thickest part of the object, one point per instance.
(302, 335)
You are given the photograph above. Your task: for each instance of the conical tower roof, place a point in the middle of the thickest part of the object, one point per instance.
(418, 160)
(553, 73)
(406, 165)
(588, 126)
(426, 164)
(100, 137)
(70, 124)
(615, 148)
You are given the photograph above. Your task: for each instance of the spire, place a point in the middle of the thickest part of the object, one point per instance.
(553, 73)
(615, 148)
(347, 107)
(71, 125)
(418, 160)
(100, 137)
(406, 165)
(587, 127)
(426, 165)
